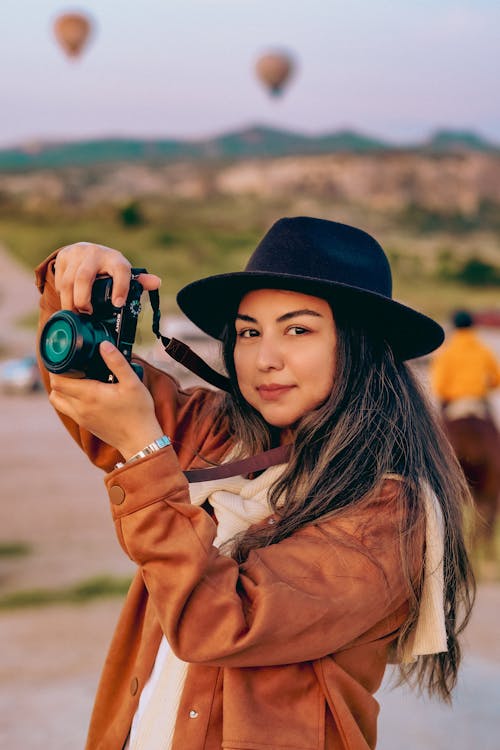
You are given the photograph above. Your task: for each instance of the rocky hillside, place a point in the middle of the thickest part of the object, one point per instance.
(450, 182)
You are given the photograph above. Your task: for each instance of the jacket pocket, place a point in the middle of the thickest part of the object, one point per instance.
(273, 708)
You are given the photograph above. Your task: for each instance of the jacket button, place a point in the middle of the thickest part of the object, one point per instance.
(193, 714)
(116, 494)
(134, 685)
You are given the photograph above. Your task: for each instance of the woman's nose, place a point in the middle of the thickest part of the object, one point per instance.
(269, 356)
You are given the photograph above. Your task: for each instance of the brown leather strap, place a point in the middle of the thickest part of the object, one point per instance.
(244, 466)
(181, 352)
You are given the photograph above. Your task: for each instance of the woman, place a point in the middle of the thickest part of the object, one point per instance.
(267, 606)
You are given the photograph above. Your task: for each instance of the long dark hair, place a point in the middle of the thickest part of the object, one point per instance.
(376, 420)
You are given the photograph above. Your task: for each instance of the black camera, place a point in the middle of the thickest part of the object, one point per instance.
(69, 341)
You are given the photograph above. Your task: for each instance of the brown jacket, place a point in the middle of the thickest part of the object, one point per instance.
(286, 650)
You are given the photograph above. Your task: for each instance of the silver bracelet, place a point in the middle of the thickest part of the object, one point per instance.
(156, 445)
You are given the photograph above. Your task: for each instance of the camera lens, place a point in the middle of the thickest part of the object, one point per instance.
(70, 343)
(58, 341)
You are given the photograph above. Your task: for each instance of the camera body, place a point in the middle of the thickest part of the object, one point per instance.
(69, 343)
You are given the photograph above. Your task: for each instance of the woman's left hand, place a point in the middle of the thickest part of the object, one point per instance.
(121, 414)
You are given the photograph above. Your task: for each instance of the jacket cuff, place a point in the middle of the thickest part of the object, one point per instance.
(155, 478)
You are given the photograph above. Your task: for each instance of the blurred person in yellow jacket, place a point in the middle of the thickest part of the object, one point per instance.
(464, 371)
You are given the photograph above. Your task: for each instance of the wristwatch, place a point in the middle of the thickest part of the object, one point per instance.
(156, 445)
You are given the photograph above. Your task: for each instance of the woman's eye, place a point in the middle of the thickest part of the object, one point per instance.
(297, 330)
(247, 333)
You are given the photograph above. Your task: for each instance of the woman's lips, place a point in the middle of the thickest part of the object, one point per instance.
(273, 392)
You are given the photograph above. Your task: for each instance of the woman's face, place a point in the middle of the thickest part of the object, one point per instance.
(284, 353)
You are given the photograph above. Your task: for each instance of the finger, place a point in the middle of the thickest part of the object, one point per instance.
(82, 289)
(149, 281)
(65, 402)
(120, 272)
(59, 403)
(78, 269)
(65, 285)
(98, 260)
(73, 387)
(67, 261)
(117, 363)
(77, 266)
(66, 297)
(58, 271)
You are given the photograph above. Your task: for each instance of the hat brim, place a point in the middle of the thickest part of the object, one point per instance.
(210, 303)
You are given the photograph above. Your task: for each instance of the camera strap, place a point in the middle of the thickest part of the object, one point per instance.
(243, 467)
(181, 352)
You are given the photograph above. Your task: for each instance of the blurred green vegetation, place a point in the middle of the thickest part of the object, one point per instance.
(440, 261)
(179, 240)
(131, 214)
(100, 587)
(427, 221)
(472, 272)
(14, 549)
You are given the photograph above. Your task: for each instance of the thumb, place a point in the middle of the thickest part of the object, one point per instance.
(149, 281)
(115, 361)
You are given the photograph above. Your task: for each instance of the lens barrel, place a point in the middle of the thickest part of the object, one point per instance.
(70, 342)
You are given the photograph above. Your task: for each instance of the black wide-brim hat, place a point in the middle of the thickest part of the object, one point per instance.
(339, 263)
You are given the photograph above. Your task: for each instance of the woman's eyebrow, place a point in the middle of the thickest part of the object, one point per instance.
(247, 318)
(282, 318)
(296, 313)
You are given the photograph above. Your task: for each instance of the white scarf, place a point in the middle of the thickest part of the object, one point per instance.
(429, 634)
(239, 503)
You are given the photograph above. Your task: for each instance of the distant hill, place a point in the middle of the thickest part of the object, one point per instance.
(251, 142)
(458, 140)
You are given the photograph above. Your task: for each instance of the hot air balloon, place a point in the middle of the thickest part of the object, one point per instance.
(274, 69)
(72, 31)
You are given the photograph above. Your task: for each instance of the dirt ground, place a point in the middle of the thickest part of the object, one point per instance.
(54, 500)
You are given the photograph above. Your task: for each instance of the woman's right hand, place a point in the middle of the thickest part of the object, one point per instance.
(77, 266)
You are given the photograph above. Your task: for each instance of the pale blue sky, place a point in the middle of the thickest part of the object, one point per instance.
(397, 69)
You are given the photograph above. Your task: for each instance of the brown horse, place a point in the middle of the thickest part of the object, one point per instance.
(476, 441)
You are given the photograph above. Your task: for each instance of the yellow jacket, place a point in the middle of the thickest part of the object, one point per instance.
(464, 368)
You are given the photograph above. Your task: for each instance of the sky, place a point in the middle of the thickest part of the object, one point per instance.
(396, 69)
